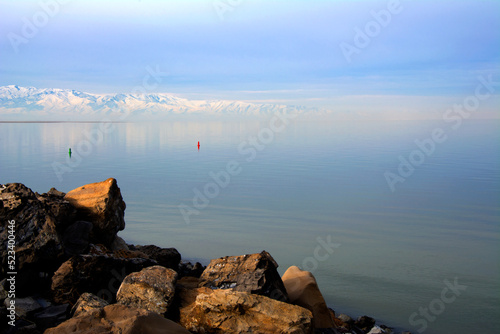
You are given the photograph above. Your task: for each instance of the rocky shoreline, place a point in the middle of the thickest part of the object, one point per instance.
(69, 272)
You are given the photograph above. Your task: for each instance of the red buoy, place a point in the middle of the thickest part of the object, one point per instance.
(198, 145)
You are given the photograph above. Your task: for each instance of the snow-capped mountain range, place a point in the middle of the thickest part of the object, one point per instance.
(16, 102)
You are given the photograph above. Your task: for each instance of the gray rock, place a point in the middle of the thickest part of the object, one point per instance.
(345, 318)
(118, 244)
(24, 305)
(254, 273)
(152, 289)
(166, 257)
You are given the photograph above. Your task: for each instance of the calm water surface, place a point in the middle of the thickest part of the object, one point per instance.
(311, 184)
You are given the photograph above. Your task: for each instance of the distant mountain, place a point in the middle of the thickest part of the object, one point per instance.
(50, 103)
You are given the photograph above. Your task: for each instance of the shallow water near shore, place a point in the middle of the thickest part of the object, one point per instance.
(312, 193)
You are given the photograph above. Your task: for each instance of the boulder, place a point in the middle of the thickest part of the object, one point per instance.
(255, 273)
(152, 288)
(227, 311)
(365, 323)
(303, 290)
(38, 245)
(103, 205)
(97, 274)
(118, 319)
(166, 257)
(87, 302)
(118, 244)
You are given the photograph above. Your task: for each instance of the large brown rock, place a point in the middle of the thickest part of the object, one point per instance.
(224, 311)
(97, 274)
(102, 204)
(152, 288)
(303, 290)
(254, 273)
(118, 319)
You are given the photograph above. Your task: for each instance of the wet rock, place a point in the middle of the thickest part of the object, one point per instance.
(225, 311)
(118, 319)
(255, 273)
(166, 257)
(303, 290)
(97, 274)
(152, 288)
(365, 323)
(87, 302)
(103, 205)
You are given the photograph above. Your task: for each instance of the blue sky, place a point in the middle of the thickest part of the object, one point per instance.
(423, 57)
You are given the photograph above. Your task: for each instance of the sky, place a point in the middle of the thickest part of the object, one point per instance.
(378, 56)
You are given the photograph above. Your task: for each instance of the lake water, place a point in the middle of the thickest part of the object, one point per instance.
(312, 193)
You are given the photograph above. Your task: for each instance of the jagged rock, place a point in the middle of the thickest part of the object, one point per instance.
(152, 288)
(76, 238)
(103, 205)
(87, 302)
(97, 274)
(303, 290)
(189, 269)
(166, 257)
(38, 245)
(118, 319)
(227, 311)
(51, 316)
(365, 323)
(255, 273)
(63, 212)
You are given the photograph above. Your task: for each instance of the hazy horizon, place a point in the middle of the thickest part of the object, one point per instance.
(379, 57)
